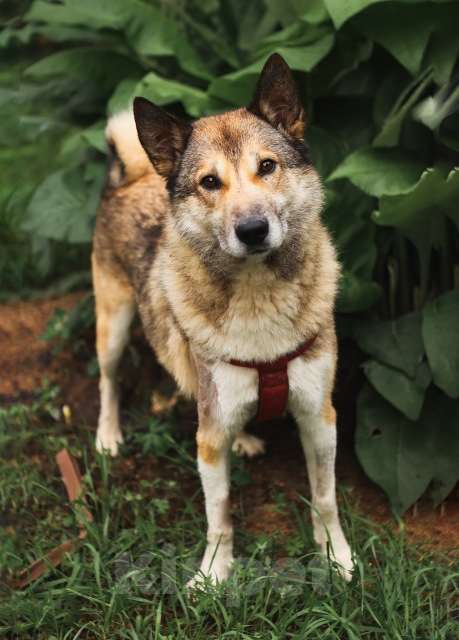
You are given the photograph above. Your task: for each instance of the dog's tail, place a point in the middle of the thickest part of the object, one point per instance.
(127, 161)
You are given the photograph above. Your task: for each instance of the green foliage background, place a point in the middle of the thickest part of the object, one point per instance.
(379, 80)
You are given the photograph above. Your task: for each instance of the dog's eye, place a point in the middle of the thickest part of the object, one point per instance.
(211, 183)
(266, 166)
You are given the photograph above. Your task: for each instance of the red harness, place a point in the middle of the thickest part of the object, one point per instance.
(273, 382)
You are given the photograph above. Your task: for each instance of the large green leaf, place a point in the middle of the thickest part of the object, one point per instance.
(59, 33)
(163, 91)
(443, 51)
(405, 458)
(96, 15)
(257, 22)
(325, 149)
(342, 10)
(334, 74)
(346, 216)
(356, 293)
(397, 343)
(404, 393)
(123, 95)
(440, 332)
(78, 142)
(398, 372)
(150, 30)
(64, 205)
(311, 11)
(296, 35)
(379, 171)
(403, 30)
(237, 87)
(390, 133)
(305, 58)
(441, 418)
(21, 169)
(418, 213)
(217, 46)
(102, 68)
(394, 451)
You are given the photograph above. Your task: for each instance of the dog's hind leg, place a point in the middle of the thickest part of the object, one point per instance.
(115, 308)
(245, 444)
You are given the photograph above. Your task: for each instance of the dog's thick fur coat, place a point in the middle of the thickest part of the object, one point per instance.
(167, 242)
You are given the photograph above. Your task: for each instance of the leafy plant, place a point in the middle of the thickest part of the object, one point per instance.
(380, 86)
(66, 326)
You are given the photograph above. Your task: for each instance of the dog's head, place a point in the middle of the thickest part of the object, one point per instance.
(241, 183)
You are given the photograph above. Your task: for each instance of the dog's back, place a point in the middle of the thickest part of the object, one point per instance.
(134, 202)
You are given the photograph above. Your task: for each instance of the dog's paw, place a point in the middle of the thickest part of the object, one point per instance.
(108, 442)
(247, 445)
(215, 567)
(214, 577)
(344, 561)
(345, 565)
(199, 582)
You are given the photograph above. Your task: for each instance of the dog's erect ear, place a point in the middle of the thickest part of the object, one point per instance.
(276, 98)
(163, 136)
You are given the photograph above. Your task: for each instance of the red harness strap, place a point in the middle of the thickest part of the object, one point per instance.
(273, 382)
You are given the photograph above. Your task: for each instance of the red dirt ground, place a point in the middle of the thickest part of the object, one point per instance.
(26, 361)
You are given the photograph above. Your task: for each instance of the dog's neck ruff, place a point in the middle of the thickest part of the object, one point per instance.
(273, 384)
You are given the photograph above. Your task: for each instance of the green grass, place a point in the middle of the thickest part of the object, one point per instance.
(126, 579)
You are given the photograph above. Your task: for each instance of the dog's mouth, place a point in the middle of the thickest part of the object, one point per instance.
(238, 250)
(258, 251)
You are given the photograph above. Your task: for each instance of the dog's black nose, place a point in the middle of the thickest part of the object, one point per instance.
(252, 231)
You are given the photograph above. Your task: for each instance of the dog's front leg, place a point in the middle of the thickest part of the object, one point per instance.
(312, 408)
(318, 437)
(214, 469)
(227, 399)
(213, 446)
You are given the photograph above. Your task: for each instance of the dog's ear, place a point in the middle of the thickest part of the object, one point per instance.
(163, 136)
(276, 98)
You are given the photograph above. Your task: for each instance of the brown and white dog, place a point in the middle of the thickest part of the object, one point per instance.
(212, 230)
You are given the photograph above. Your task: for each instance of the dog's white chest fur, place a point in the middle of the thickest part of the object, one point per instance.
(237, 389)
(260, 321)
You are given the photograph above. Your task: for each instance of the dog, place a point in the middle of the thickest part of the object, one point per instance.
(212, 231)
